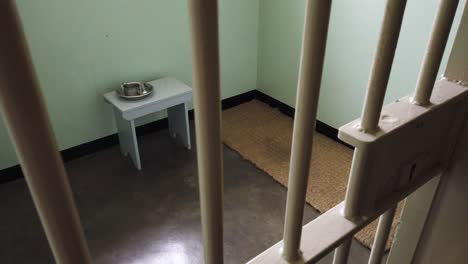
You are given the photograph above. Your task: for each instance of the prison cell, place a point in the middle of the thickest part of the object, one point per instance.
(399, 130)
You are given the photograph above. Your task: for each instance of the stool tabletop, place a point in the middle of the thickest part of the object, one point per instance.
(163, 89)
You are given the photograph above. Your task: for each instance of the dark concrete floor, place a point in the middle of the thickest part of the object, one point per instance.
(153, 216)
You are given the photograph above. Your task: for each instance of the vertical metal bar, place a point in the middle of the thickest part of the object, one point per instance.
(374, 98)
(29, 127)
(411, 224)
(207, 104)
(457, 63)
(375, 94)
(355, 184)
(382, 65)
(342, 252)
(310, 75)
(381, 236)
(434, 51)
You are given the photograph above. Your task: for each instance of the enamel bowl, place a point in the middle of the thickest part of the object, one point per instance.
(134, 90)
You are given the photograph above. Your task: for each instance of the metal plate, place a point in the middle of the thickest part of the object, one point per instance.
(146, 91)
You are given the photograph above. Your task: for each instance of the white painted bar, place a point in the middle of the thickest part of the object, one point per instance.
(381, 236)
(355, 185)
(382, 64)
(457, 62)
(310, 75)
(323, 234)
(373, 103)
(207, 105)
(412, 221)
(434, 51)
(404, 168)
(342, 252)
(320, 237)
(26, 118)
(375, 94)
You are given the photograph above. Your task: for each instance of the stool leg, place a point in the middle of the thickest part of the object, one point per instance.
(179, 123)
(127, 138)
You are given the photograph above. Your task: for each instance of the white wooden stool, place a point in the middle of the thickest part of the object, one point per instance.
(168, 94)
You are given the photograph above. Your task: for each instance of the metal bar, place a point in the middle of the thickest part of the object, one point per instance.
(326, 232)
(342, 252)
(355, 182)
(382, 65)
(320, 237)
(350, 211)
(207, 104)
(434, 51)
(28, 124)
(412, 221)
(310, 75)
(457, 63)
(373, 103)
(381, 236)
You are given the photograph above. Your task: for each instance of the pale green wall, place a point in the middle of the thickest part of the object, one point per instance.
(82, 49)
(354, 27)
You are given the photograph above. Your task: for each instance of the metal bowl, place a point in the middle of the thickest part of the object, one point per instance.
(134, 90)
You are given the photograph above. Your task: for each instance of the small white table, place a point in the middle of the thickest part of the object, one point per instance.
(168, 94)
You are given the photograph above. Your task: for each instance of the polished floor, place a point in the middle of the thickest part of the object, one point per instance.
(153, 216)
